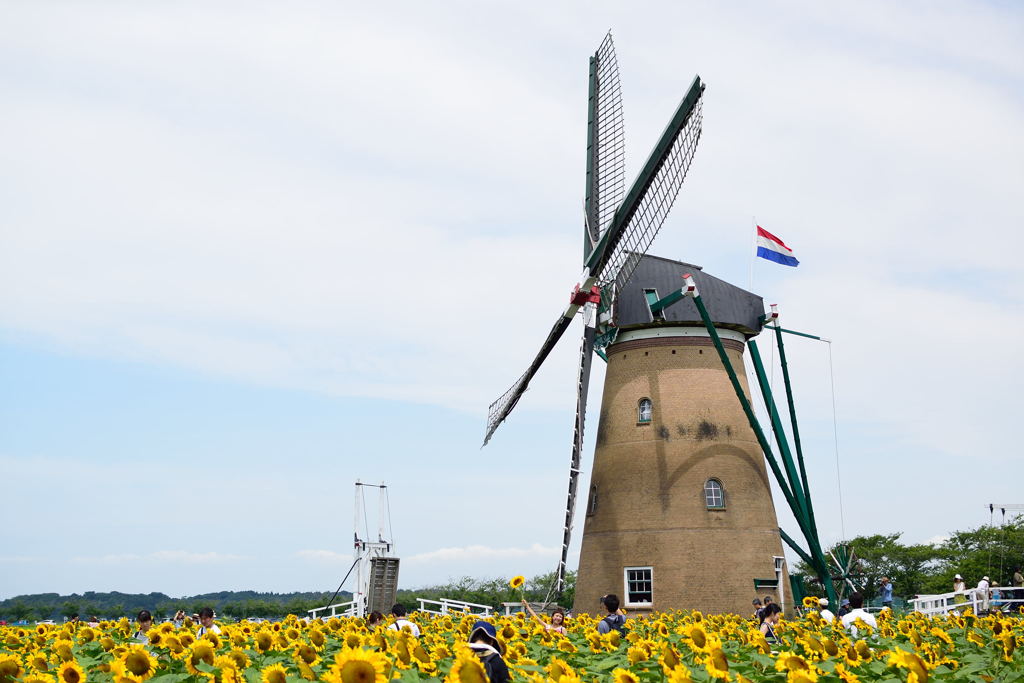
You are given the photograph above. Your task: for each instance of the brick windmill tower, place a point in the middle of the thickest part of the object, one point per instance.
(680, 512)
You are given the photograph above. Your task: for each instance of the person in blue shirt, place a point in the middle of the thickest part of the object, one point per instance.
(886, 593)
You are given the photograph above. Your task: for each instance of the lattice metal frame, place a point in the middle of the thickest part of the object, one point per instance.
(654, 206)
(610, 137)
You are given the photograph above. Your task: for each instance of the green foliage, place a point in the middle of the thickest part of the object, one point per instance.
(922, 569)
(491, 592)
(238, 604)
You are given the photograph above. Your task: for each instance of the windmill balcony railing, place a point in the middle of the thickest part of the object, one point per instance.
(339, 609)
(1002, 599)
(449, 606)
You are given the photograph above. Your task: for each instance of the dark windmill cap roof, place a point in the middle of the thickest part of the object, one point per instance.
(729, 306)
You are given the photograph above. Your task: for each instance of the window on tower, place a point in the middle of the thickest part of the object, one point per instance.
(644, 410)
(714, 494)
(592, 502)
(639, 586)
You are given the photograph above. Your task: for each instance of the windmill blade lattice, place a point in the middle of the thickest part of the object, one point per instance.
(640, 217)
(636, 220)
(499, 410)
(606, 142)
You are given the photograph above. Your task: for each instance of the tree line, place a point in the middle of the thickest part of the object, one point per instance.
(924, 569)
(233, 604)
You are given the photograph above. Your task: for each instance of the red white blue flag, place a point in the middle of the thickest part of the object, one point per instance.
(772, 248)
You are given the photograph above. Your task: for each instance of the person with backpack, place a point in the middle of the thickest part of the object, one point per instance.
(615, 619)
(483, 640)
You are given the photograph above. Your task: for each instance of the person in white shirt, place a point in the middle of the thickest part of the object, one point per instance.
(981, 594)
(825, 612)
(857, 603)
(401, 622)
(206, 624)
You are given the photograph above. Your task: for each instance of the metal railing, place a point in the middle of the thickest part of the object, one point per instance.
(339, 609)
(980, 601)
(448, 606)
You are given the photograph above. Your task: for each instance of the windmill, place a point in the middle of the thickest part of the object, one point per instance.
(679, 486)
(619, 227)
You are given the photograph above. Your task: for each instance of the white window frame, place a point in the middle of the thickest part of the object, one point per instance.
(721, 488)
(639, 411)
(626, 591)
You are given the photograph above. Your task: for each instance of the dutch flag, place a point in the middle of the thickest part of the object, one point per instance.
(772, 248)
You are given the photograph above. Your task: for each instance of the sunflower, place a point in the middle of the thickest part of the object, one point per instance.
(517, 582)
(863, 651)
(202, 651)
(37, 660)
(275, 673)
(239, 657)
(636, 654)
(70, 672)
(37, 677)
(10, 667)
(317, 638)
(802, 677)
(680, 674)
(909, 661)
(845, 675)
(264, 641)
(697, 638)
(624, 676)
(942, 635)
(717, 663)
(306, 653)
(359, 666)
(62, 648)
(791, 661)
(557, 668)
(136, 664)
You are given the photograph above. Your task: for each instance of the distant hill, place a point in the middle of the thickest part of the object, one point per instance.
(114, 605)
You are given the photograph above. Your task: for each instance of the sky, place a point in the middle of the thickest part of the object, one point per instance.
(253, 252)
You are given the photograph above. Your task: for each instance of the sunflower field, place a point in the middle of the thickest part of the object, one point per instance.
(669, 646)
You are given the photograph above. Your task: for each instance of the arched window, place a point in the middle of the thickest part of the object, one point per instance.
(644, 410)
(714, 494)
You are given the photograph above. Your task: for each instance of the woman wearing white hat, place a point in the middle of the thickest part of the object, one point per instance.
(959, 587)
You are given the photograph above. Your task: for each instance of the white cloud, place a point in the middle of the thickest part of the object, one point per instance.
(476, 553)
(329, 556)
(170, 557)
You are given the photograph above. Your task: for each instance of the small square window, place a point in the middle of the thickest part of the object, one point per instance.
(639, 586)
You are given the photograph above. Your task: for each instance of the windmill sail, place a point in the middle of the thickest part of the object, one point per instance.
(640, 216)
(632, 228)
(606, 143)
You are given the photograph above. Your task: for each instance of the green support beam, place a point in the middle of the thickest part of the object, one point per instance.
(658, 305)
(791, 489)
(795, 428)
(796, 548)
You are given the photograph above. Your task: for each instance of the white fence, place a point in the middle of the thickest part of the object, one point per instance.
(448, 606)
(999, 599)
(340, 609)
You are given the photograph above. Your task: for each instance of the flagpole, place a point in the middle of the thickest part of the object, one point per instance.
(753, 229)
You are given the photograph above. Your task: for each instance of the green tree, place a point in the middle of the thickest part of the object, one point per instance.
(69, 609)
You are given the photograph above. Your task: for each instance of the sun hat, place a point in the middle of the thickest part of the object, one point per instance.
(488, 630)
(958, 577)
(984, 578)
(846, 601)
(823, 602)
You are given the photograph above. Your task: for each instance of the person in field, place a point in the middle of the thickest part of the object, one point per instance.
(557, 618)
